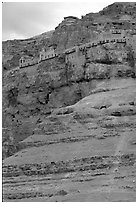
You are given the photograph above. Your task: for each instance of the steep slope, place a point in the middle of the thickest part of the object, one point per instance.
(79, 151)
(119, 9)
(66, 35)
(12, 50)
(69, 121)
(36, 90)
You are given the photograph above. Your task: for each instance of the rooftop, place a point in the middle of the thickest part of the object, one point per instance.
(72, 17)
(27, 57)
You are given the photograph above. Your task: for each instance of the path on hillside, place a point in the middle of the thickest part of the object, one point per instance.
(119, 150)
(120, 147)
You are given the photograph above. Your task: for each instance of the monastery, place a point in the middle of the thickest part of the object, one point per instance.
(75, 54)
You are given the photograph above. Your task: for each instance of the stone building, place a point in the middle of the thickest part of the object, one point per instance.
(42, 54)
(75, 56)
(25, 61)
(50, 53)
(69, 20)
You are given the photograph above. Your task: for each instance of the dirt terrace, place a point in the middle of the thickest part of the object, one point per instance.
(92, 153)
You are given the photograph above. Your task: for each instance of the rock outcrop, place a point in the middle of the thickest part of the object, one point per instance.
(69, 122)
(33, 92)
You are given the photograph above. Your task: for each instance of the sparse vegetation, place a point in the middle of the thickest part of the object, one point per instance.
(69, 127)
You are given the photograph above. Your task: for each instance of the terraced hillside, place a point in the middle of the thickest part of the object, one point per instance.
(79, 151)
(69, 122)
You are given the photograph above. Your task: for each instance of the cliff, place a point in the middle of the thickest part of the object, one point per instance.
(69, 119)
(33, 92)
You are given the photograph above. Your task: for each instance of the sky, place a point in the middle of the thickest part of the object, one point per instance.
(21, 20)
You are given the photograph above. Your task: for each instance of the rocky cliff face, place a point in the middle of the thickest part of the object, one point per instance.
(32, 93)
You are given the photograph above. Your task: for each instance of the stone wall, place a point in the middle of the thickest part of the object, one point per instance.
(105, 37)
(26, 62)
(30, 94)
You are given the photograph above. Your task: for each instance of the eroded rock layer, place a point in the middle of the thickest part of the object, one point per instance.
(69, 122)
